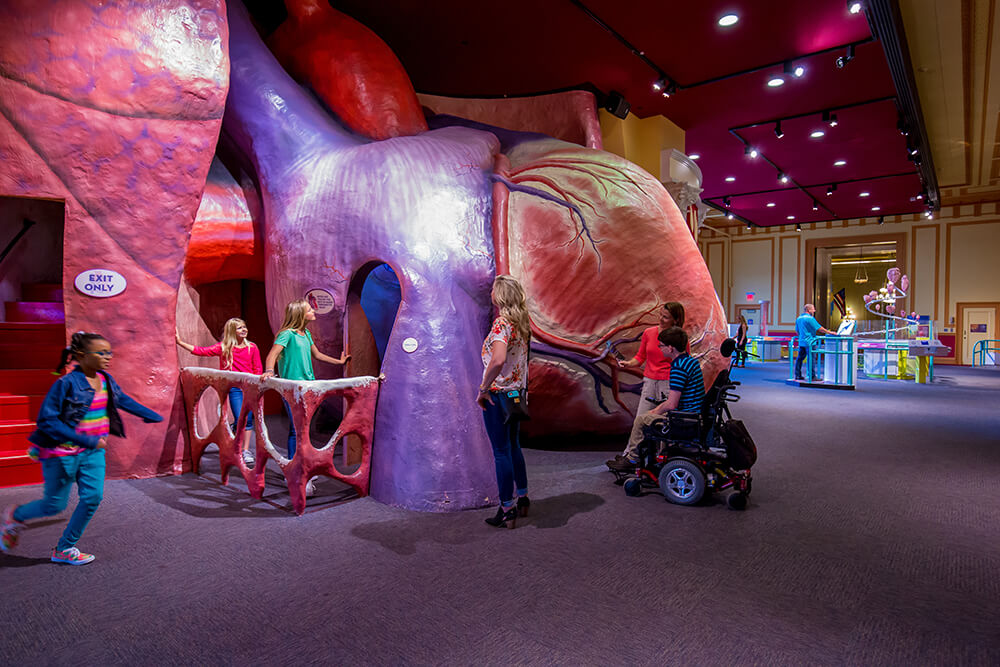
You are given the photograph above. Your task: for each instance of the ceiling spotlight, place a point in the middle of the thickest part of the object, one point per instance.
(846, 58)
(830, 118)
(794, 70)
(770, 204)
(748, 225)
(750, 151)
(913, 151)
(726, 202)
(791, 217)
(776, 80)
(929, 213)
(815, 205)
(881, 220)
(901, 126)
(840, 163)
(830, 190)
(670, 89)
(730, 179)
(782, 177)
(816, 134)
(865, 194)
(728, 20)
(777, 130)
(694, 156)
(876, 208)
(853, 6)
(798, 227)
(729, 216)
(920, 196)
(659, 84)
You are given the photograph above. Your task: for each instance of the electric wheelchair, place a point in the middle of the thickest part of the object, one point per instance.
(687, 454)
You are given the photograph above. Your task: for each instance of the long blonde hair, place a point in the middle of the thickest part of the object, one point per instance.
(295, 316)
(229, 339)
(509, 297)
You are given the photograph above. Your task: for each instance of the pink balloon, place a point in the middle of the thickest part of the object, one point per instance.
(904, 283)
(878, 306)
(893, 274)
(913, 314)
(890, 309)
(889, 285)
(873, 294)
(867, 297)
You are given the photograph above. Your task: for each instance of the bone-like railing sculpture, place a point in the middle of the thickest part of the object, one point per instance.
(359, 394)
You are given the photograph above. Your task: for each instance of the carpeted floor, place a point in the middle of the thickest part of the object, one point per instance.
(873, 537)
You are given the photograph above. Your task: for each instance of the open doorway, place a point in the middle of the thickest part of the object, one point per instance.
(372, 303)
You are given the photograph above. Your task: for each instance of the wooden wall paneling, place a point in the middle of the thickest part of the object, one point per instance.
(923, 261)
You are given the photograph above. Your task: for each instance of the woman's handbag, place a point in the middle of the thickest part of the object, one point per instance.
(514, 403)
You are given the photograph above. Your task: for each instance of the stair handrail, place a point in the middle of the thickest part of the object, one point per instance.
(27, 224)
(980, 349)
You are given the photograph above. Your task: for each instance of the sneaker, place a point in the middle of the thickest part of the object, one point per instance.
(248, 458)
(11, 530)
(625, 465)
(71, 556)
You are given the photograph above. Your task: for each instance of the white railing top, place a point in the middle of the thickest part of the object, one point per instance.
(276, 382)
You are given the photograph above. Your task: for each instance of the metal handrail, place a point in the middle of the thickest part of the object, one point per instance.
(980, 349)
(28, 224)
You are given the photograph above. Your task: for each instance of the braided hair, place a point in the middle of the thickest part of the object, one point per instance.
(79, 344)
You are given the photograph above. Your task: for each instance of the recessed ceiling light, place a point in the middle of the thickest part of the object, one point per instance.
(791, 217)
(817, 134)
(694, 156)
(730, 179)
(864, 194)
(770, 204)
(876, 208)
(854, 7)
(840, 163)
(728, 20)
(776, 81)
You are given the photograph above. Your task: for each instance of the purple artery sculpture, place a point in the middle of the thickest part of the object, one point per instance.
(334, 203)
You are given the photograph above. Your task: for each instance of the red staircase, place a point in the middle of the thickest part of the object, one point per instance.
(31, 340)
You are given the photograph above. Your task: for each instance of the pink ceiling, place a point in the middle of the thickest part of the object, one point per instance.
(458, 48)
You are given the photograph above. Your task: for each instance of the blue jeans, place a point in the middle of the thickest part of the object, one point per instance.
(236, 404)
(291, 430)
(87, 470)
(505, 439)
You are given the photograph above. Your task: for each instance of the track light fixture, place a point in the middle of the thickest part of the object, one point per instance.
(729, 216)
(901, 126)
(798, 227)
(670, 89)
(853, 6)
(748, 225)
(777, 129)
(750, 151)
(830, 190)
(881, 220)
(846, 58)
(726, 202)
(782, 177)
(796, 71)
(830, 118)
(815, 205)
(659, 84)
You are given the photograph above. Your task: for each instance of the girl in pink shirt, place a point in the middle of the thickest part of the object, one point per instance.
(237, 354)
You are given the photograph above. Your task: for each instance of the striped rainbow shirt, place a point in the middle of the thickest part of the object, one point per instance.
(94, 423)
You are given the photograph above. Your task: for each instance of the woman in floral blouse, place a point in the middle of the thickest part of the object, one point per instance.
(505, 358)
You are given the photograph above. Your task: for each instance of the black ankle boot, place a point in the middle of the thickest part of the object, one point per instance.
(522, 505)
(503, 519)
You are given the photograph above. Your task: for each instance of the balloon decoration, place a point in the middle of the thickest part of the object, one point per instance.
(885, 298)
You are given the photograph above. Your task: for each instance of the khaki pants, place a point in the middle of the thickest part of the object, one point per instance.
(655, 389)
(643, 420)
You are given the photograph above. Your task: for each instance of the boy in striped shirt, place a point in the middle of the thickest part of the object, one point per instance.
(687, 392)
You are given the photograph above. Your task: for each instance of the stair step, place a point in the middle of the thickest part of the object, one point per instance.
(34, 311)
(28, 355)
(48, 333)
(15, 408)
(18, 470)
(42, 292)
(14, 437)
(30, 382)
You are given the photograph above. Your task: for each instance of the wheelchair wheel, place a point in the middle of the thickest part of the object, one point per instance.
(682, 482)
(737, 501)
(633, 487)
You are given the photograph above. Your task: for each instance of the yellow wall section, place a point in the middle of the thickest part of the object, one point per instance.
(640, 140)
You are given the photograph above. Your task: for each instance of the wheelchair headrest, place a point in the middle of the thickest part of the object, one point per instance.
(728, 347)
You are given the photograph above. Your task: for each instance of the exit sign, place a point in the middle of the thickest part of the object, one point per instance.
(751, 295)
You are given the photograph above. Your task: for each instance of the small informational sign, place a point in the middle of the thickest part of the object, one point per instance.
(751, 295)
(750, 321)
(320, 300)
(977, 328)
(410, 345)
(100, 282)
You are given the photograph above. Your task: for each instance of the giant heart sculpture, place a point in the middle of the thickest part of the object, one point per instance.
(115, 108)
(597, 242)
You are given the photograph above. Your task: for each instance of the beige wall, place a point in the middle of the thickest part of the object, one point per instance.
(640, 140)
(952, 259)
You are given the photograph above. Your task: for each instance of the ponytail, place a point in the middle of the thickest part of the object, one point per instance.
(79, 344)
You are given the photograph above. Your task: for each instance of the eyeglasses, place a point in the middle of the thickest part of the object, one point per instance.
(103, 353)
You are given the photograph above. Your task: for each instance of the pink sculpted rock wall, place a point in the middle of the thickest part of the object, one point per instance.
(116, 109)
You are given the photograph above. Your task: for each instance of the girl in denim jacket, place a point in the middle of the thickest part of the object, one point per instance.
(78, 414)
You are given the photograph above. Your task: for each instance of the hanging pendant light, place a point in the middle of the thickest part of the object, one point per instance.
(861, 276)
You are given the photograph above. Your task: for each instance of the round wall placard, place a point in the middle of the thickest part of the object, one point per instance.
(410, 345)
(100, 282)
(321, 301)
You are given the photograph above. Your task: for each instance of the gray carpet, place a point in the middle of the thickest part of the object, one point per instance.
(873, 537)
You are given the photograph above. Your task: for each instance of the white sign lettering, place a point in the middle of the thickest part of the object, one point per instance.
(100, 282)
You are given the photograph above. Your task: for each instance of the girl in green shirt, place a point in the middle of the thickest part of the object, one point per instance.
(293, 352)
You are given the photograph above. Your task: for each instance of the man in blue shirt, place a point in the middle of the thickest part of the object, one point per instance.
(687, 391)
(806, 328)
